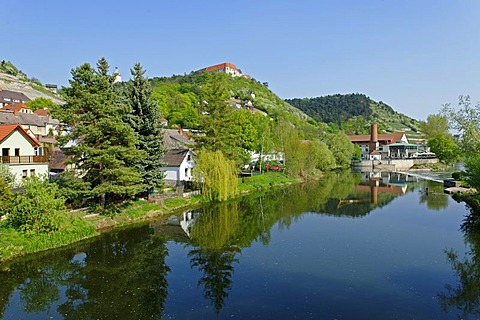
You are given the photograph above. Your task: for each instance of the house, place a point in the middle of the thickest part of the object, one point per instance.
(177, 139)
(372, 144)
(39, 123)
(9, 97)
(179, 165)
(17, 108)
(22, 154)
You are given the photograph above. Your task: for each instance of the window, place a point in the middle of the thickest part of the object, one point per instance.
(5, 152)
(186, 172)
(189, 158)
(38, 151)
(32, 172)
(24, 173)
(17, 152)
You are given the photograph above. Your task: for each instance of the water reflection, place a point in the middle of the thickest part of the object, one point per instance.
(214, 248)
(117, 277)
(464, 295)
(124, 274)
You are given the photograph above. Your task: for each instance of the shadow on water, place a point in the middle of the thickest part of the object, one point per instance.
(123, 275)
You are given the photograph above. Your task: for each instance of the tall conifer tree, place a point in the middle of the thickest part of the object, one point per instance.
(144, 118)
(103, 142)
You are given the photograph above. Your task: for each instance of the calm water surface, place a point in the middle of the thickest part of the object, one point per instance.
(351, 246)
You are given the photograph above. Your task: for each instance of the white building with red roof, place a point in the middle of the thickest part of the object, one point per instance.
(226, 67)
(21, 153)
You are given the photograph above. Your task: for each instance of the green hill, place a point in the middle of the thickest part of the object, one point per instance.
(355, 112)
(179, 96)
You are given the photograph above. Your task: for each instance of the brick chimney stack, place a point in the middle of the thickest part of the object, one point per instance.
(373, 145)
(373, 133)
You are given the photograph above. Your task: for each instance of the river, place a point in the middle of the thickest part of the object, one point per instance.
(351, 246)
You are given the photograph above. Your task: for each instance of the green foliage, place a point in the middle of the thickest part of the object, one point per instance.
(76, 191)
(356, 125)
(105, 143)
(342, 149)
(178, 103)
(217, 175)
(445, 147)
(266, 180)
(472, 166)
(335, 108)
(41, 103)
(436, 124)
(6, 197)
(144, 118)
(9, 68)
(466, 120)
(174, 202)
(354, 113)
(7, 175)
(39, 209)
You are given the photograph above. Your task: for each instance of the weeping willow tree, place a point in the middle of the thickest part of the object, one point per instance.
(217, 175)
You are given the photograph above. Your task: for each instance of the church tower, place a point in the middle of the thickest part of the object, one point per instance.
(117, 77)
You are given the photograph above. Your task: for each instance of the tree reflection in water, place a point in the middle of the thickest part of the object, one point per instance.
(121, 276)
(214, 238)
(432, 194)
(464, 296)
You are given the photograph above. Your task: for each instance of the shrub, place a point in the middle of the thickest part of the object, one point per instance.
(38, 209)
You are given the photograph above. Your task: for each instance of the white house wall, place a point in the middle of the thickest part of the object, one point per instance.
(32, 169)
(171, 173)
(17, 140)
(186, 165)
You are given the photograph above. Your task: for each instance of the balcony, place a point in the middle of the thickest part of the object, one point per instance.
(23, 159)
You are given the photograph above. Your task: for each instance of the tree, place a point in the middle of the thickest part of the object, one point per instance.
(325, 160)
(215, 112)
(103, 143)
(41, 103)
(341, 148)
(217, 175)
(435, 125)
(466, 121)
(445, 147)
(144, 118)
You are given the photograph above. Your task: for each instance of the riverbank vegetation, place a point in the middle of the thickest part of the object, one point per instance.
(113, 138)
(465, 121)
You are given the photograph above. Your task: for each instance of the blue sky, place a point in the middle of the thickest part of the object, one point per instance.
(415, 55)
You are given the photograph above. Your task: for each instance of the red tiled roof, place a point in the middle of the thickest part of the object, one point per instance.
(220, 67)
(15, 107)
(7, 129)
(41, 112)
(387, 137)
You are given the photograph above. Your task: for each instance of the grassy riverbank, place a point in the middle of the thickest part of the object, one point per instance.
(78, 227)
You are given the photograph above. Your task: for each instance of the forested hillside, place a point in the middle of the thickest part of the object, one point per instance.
(354, 113)
(179, 97)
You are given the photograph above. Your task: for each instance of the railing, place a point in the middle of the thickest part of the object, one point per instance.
(23, 159)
